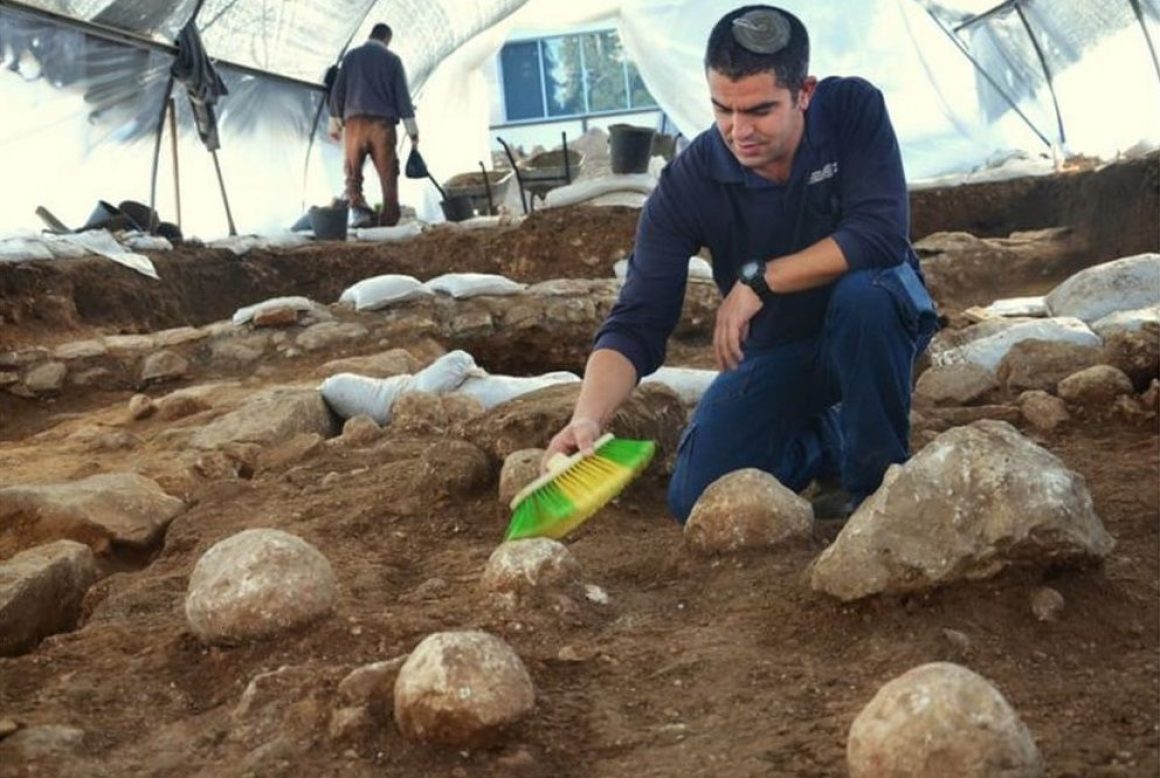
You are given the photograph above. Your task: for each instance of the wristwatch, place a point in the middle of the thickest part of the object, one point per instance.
(752, 274)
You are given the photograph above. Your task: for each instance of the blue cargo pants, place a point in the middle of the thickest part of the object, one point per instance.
(835, 404)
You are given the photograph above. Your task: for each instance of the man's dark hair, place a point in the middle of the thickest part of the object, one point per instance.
(381, 32)
(760, 39)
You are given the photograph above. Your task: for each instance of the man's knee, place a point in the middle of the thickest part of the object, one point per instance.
(857, 298)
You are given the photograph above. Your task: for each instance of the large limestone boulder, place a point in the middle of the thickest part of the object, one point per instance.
(461, 689)
(1136, 352)
(959, 384)
(960, 268)
(529, 421)
(974, 501)
(1041, 364)
(531, 571)
(1096, 387)
(257, 584)
(1125, 284)
(163, 366)
(396, 361)
(746, 509)
(113, 508)
(41, 590)
(939, 720)
(269, 417)
(989, 350)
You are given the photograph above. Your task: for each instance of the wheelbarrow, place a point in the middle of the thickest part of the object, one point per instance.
(544, 172)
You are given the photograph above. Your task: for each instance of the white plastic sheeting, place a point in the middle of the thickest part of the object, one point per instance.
(82, 105)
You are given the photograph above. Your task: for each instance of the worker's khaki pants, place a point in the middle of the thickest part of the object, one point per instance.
(374, 136)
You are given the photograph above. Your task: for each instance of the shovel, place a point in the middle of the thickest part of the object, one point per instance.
(455, 209)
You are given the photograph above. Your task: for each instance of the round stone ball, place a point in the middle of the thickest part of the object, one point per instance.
(461, 689)
(938, 720)
(257, 584)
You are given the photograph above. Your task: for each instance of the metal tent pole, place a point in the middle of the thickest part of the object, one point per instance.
(1046, 71)
(165, 101)
(225, 200)
(1147, 36)
(982, 71)
(173, 149)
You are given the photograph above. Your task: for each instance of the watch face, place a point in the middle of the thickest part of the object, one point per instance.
(750, 270)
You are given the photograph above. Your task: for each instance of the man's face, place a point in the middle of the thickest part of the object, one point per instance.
(759, 120)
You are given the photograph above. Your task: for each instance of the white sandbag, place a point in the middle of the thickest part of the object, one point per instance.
(1126, 284)
(464, 285)
(63, 249)
(244, 244)
(587, 189)
(389, 234)
(349, 395)
(141, 242)
(689, 383)
(491, 390)
(445, 374)
(1127, 321)
(989, 351)
(698, 268)
(243, 315)
(23, 250)
(380, 291)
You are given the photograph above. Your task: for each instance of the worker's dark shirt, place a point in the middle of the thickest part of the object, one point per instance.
(846, 182)
(371, 82)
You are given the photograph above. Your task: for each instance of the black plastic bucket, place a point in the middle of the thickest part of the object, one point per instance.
(630, 147)
(457, 208)
(329, 223)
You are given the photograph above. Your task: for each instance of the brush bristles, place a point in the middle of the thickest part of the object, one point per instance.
(562, 504)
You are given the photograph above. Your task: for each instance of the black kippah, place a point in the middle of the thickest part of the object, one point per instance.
(762, 31)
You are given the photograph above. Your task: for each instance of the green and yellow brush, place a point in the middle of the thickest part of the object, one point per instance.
(577, 486)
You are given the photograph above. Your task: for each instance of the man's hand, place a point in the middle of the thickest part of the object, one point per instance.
(733, 317)
(334, 128)
(579, 435)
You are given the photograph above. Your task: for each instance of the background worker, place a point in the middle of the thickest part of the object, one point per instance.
(368, 99)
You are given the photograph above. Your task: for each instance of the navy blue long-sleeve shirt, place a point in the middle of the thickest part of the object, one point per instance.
(846, 183)
(371, 82)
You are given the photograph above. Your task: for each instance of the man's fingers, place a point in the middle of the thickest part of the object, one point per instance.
(560, 444)
(735, 337)
(718, 348)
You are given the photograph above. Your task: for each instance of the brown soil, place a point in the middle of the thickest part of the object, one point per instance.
(720, 667)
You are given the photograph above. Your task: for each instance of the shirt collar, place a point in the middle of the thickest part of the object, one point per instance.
(378, 42)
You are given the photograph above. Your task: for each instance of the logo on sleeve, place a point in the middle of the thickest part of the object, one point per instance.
(828, 170)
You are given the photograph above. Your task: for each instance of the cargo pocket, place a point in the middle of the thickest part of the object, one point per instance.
(911, 299)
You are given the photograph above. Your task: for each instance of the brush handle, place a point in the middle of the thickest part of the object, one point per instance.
(557, 463)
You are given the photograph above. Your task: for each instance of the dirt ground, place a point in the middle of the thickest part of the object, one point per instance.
(696, 667)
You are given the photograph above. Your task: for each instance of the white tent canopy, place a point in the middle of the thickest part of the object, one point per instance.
(84, 82)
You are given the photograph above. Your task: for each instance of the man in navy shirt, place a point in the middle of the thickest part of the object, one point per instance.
(367, 100)
(799, 195)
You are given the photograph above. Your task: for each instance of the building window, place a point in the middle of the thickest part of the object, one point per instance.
(570, 75)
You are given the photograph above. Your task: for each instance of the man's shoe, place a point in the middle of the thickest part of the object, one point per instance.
(834, 505)
(363, 217)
